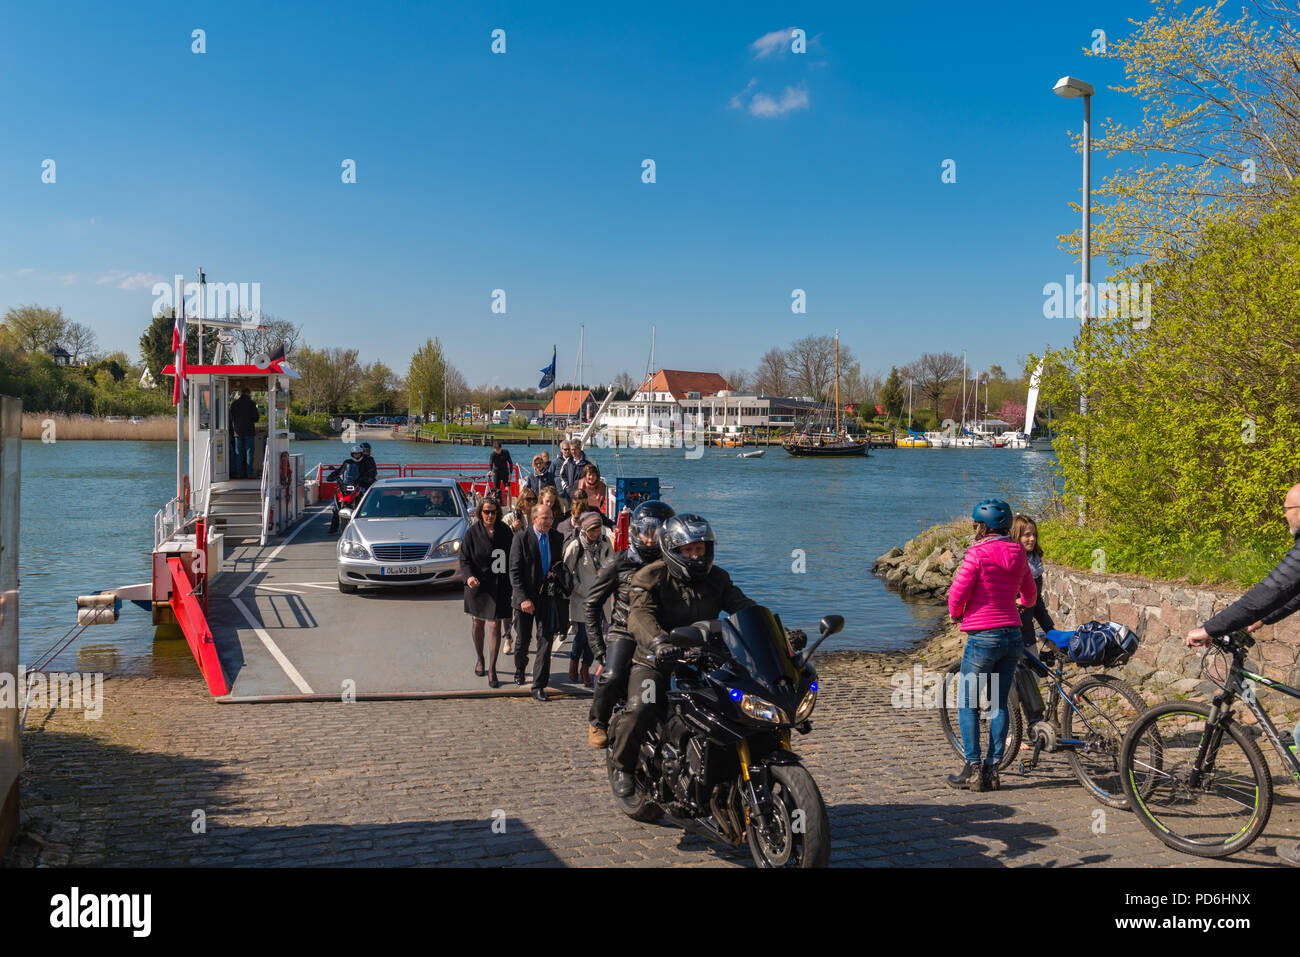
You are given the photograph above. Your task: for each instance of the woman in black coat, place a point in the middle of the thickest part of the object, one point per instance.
(484, 557)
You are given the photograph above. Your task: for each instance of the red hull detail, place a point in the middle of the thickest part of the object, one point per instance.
(190, 617)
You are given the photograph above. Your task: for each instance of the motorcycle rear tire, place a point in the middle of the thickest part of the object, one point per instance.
(798, 792)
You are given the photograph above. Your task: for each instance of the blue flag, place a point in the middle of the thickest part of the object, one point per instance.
(548, 374)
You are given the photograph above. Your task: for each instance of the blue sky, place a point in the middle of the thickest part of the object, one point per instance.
(522, 171)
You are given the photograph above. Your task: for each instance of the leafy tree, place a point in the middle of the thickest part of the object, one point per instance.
(892, 395)
(377, 389)
(1193, 421)
(36, 328)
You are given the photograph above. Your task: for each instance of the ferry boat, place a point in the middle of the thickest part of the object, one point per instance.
(824, 442)
(246, 572)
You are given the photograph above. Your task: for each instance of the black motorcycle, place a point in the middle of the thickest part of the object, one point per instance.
(720, 761)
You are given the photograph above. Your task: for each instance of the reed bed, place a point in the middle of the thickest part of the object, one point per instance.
(46, 425)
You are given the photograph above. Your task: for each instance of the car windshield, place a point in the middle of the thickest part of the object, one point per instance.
(759, 645)
(410, 501)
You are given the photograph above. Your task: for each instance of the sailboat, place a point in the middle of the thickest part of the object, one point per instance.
(823, 441)
(913, 440)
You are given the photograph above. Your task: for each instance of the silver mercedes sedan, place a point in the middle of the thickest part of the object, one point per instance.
(405, 531)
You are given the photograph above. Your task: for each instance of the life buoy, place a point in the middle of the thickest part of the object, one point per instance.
(185, 493)
(285, 473)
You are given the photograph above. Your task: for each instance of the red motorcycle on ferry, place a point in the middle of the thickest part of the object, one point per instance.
(347, 493)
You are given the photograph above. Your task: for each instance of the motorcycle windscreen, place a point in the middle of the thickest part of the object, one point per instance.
(351, 474)
(758, 643)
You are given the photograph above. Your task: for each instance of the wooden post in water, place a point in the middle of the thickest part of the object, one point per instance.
(11, 752)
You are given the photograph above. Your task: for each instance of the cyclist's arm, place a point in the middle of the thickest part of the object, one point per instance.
(962, 584)
(1272, 599)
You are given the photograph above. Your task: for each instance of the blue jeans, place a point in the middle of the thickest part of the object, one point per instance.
(581, 647)
(243, 457)
(989, 661)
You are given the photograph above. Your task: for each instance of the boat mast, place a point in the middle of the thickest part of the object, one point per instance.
(909, 405)
(837, 383)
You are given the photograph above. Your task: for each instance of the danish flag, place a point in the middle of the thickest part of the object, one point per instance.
(178, 349)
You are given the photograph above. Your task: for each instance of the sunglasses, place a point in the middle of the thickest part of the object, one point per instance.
(490, 511)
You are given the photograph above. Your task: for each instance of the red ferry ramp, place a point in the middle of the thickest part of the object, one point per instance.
(284, 632)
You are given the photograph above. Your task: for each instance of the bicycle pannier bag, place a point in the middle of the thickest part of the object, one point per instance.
(1103, 643)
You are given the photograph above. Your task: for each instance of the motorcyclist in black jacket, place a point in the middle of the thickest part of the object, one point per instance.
(613, 649)
(683, 587)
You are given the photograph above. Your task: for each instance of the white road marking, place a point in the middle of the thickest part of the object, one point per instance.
(262, 563)
(277, 589)
(285, 664)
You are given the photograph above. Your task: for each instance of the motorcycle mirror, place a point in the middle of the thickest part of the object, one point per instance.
(831, 624)
(688, 636)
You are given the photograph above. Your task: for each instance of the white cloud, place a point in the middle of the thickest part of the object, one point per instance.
(124, 279)
(737, 100)
(141, 280)
(791, 99)
(778, 41)
(25, 272)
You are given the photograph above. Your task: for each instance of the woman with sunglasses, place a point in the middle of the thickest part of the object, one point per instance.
(484, 553)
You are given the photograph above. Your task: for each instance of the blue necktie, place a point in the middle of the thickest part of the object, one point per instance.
(546, 552)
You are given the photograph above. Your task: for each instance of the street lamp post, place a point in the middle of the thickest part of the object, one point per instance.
(1071, 87)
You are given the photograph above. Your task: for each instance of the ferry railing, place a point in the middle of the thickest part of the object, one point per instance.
(266, 503)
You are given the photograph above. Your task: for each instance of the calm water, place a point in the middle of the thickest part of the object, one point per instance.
(87, 524)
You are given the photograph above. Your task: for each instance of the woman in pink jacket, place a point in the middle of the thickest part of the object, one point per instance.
(983, 597)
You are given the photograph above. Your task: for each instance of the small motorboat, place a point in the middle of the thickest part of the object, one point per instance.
(752, 454)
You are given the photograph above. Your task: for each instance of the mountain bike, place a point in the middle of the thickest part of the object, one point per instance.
(1196, 775)
(1085, 720)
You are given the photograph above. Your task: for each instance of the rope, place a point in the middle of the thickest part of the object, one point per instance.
(55, 650)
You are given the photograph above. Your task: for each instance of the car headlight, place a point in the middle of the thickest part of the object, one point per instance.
(761, 709)
(446, 550)
(350, 547)
(805, 706)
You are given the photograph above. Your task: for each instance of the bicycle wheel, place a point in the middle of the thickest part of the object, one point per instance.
(1211, 813)
(1099, 714)
(952, 731)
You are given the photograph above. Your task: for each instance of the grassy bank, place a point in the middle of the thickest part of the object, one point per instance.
(1204, 557)
(49, 426)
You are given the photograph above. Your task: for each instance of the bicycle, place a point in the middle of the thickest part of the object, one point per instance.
(1197, 778)
(1089, 731)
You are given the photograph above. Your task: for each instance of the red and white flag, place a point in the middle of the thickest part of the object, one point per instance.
(178, 350)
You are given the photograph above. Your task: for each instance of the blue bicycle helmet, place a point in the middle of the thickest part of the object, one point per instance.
(994, 513)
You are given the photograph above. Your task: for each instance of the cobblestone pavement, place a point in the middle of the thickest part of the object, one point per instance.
(422, 782)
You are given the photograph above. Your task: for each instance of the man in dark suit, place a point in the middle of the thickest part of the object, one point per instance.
(533, 553)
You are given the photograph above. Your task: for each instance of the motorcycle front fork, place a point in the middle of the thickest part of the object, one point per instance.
(758, 793)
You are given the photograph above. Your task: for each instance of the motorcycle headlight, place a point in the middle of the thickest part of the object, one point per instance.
(351, 547)
(805, 706)
(761, 709)
(446, 550)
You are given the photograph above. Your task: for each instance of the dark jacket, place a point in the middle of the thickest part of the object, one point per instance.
(501, 463)
(1037, 613)
(527, 575)
(658, 602)
(243, 416)
(369, 472)
(478, 554)
(538, 482)
(614, 579)
(570, 472)
(1277, 596)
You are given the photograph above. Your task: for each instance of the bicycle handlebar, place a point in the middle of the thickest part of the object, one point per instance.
(1234, 642)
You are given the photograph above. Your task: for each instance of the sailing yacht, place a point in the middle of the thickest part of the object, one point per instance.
(913, 440)
(822, 441)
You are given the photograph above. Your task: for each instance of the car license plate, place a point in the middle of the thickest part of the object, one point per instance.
(400, 570)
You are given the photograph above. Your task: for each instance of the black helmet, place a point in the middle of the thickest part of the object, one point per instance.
(646, 521)
(994, 513)
(365, 448)
(683, 530)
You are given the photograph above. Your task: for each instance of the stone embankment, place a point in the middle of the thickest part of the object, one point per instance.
(923, 568)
